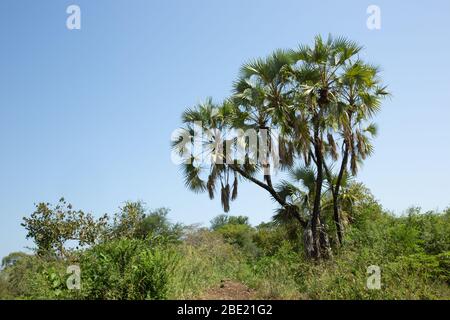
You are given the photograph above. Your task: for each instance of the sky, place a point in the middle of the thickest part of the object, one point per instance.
(88, 114)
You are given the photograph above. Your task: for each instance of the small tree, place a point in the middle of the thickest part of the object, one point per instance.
(223, 219)
(52, 227)
(135, 221)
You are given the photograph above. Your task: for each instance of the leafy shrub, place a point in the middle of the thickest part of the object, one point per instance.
(150, 274)
(135, 221)
(240, 235)
(4, 288)
(222, 220)
(270, 238)
(126, 269)
(33, 277)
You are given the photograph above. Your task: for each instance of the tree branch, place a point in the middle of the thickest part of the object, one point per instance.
(272, 191)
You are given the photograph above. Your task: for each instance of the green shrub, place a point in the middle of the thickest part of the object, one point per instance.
(444, 266)
(33, 277)
(222, 220)
(240, 235)
(5, 293)
(150, 273)
(126, 269)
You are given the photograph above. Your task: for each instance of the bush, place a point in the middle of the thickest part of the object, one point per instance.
(270, 238)
(150, 274)
(33, 277)
(4, 288)
(126, 269)
(222, 220)
(240, 235)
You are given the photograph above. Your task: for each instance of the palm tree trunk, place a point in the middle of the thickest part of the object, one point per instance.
(337, 219)
(336, 198)
(315, 219)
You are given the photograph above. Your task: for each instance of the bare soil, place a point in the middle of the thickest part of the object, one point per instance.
(228, 290)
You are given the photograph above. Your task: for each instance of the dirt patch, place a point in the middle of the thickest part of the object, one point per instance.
(229, 290)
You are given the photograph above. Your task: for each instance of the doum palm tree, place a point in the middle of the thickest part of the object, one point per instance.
(310, 112)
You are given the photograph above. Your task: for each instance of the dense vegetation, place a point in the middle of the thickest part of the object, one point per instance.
(311, 113)
(140, 254)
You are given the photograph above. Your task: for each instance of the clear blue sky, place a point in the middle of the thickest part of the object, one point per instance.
(88, 114)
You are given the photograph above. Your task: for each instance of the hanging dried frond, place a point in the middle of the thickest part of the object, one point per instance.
(351, 144)
(360, 143)
(333, 147)
(222, 197)
(347, 135)
(282, 150)
(307, 158)
(354, 163)
(210, 185)
(227, 193)
(286, 153)
(235, 187)
(225, 197)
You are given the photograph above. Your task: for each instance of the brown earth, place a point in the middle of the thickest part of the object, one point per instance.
(228, 290)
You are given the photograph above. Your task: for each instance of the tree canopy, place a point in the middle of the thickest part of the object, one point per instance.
(306, 111)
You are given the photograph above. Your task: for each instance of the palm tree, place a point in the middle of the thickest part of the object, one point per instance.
(316, 74)
(202, 142)
(317, 102)
(360, 99)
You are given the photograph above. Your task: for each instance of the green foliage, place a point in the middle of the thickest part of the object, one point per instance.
(412, 252)
(4, 289)
(51, 227)
(320, 99)
(126, 269)
(237, 231)
(444, 266)
(34, 277)
(240, 235)
(12, 258)
(150, 273)
(223, 219)
(273, 276)
(271, 237)
(316, 103)
(135, 221)
(206, 260)
(128, 222)
(157, 224)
